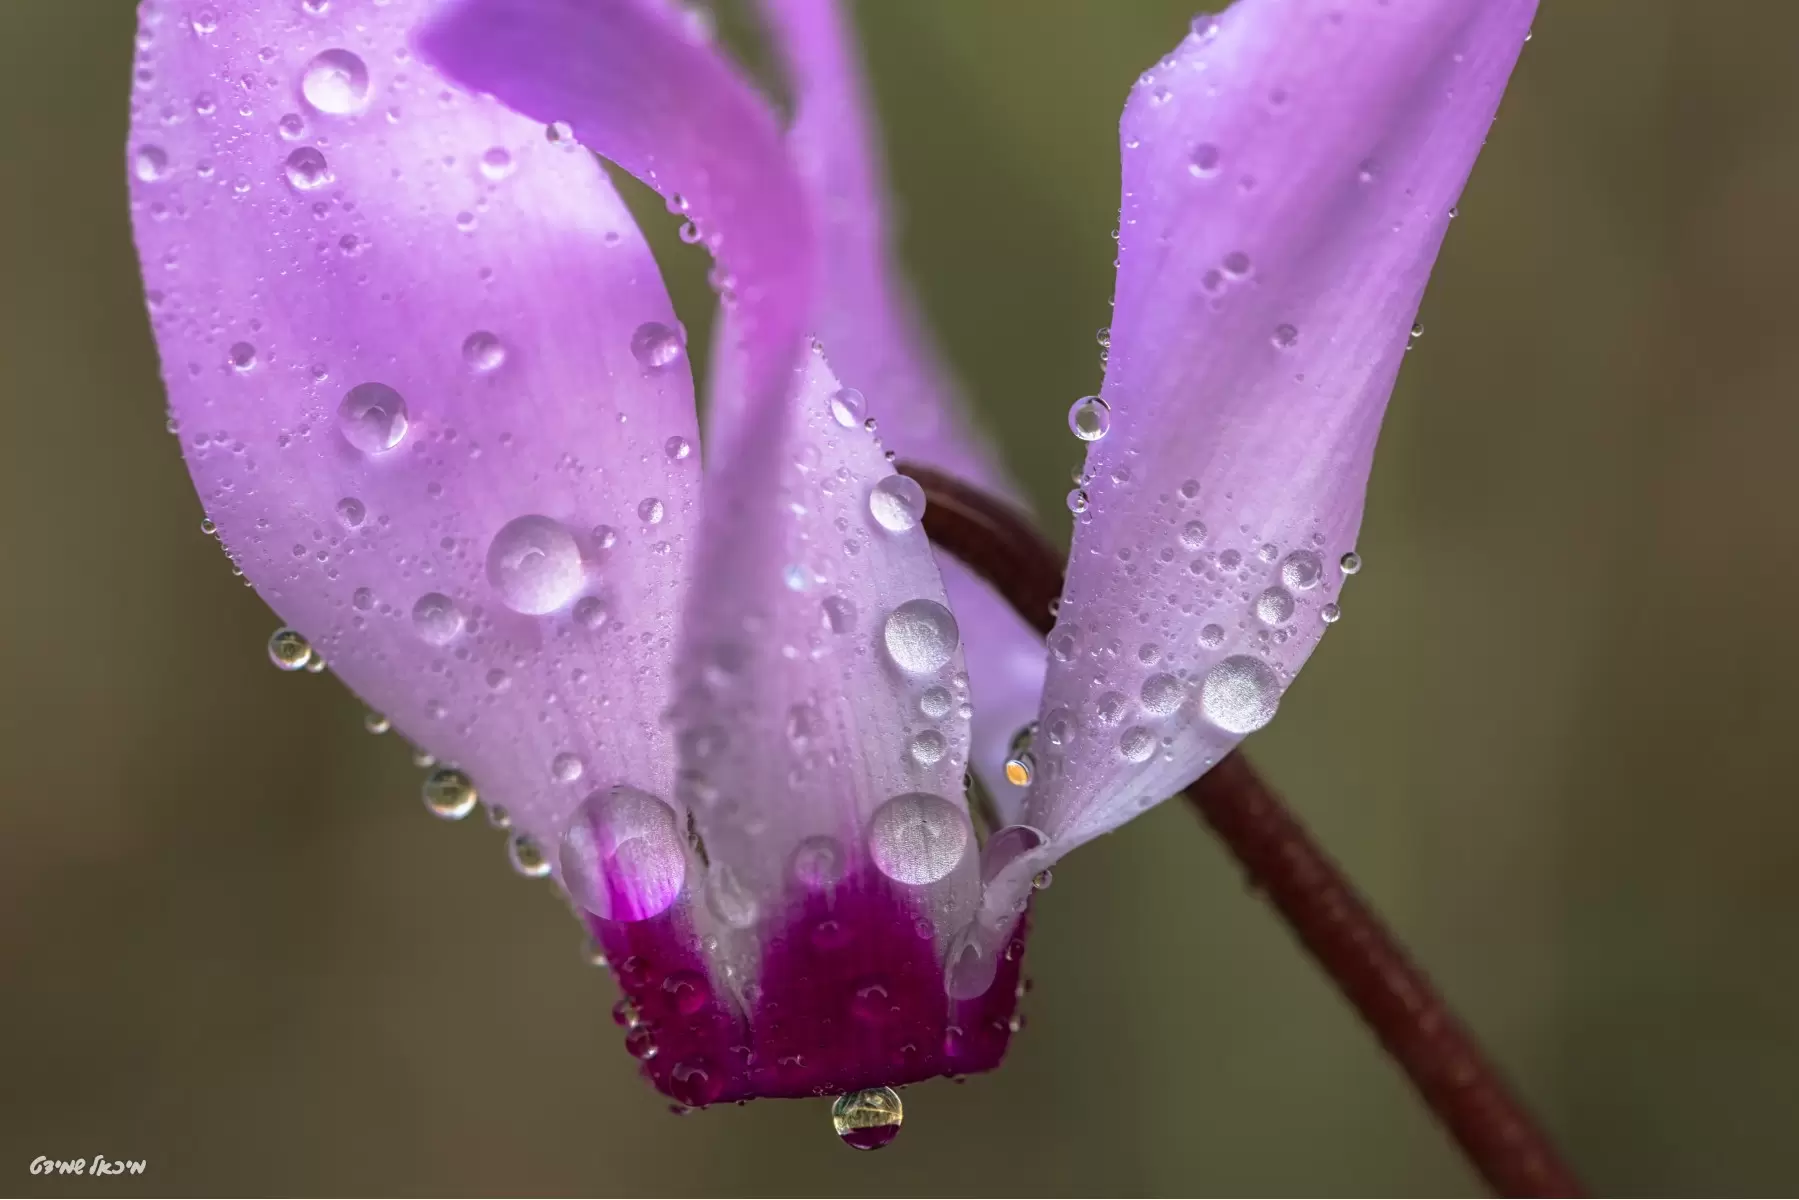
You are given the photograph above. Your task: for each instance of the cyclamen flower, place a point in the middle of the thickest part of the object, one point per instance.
(434, 395)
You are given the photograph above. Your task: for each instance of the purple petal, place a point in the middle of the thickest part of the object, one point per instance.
(1288, 174)
(821, 708)
(871, 329)
(429, 387)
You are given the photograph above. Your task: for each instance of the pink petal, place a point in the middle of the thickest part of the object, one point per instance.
(325, 223)
(877, 342)
(1288, 175)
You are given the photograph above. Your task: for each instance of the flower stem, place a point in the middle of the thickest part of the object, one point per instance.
(1445, 1064)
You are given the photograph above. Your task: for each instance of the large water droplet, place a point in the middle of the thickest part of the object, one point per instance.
(655, 345)
(336, 82)
(449, 794)
(436, 618)
(918, 838)
(921, 636)
(535, 565)
(307, 169)
(623, 856)
(1240, 694)
(897, 503)
(1161, 694)
(372, 417)
(868, 1119)
(1090, 418)
(289, 649)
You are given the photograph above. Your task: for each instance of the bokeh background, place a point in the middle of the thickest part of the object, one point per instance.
(1551, 739)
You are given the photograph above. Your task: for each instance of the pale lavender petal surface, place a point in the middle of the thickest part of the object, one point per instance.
(1288, 174)
(820, 706)
(875, 337)
(326, 223)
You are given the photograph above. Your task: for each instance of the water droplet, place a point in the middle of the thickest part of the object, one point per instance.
(376, 722)
(1161, 694)
(151, 163)
(1204, 163)
(534, 564)
(449, 794)
(868, 1119)
(307, 169)
(818, 861)
(1090, 418)
(655, 345)
(1077, 501)
(935, 703)
(918, 838)
(1417, 330)
(590, 612)
(897, 503)
(623, 856)
(1136, 744)
(566, 767)
(496, 163)
(1240, 694)
(1302, 570)
(336, 82)
(1285, 337)
(921, 636)
(1350, 563)
(289, 649)
(527, 856)
(1330, 614)
(483, 351)
(1021, 768)
(677, 448)
(926, 747)
(242, 356)
(846, 407)
(839, 613)
(1193, 535)
(351, 512)
(436, 618)
(208, 527)
(1275, 606)
(650, 511)
(560, 133)
(1236, 264)
(363, 598)
(372, 417)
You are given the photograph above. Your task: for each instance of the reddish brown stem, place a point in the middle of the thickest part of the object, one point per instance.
(1332, 921)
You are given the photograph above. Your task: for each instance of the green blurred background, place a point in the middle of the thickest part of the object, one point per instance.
(1550, 738)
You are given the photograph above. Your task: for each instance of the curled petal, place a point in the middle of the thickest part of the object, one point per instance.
(1288, 176)
(429, 387)
(877, 342)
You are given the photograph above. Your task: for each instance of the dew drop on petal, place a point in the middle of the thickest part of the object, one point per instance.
(483, 351)
(897, 503)
(839, 613)
(1330, 614)
(1350, 563)
(1090, 418)
(926, 747)
(1193, 535)
(242, 356)
(289, 649)
(534, 564)
(677, 448)
(1161, 694)
(1204, 162)
(436, 618)
(1275, 606)
(1240, 694)
(650, 511)
(846, 406)
(818, 861)
(920, 636)
(449, 794)
(336, 82)
(1285, 337)
(496, 163)
(935, 703)
(307, 169)
(150, 163)
(918, 838)
(655, 345)
(351, 512)
(566, 767)
(372, 417)
(1302, 570)
(1136, 744)
(623, 856)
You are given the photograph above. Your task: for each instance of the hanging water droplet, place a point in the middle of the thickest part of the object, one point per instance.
(1329, 614)
(921, 636)
(527, 856)
(449, 794)
(1090, 418)
(868, 1119)
(534, 564)
(897, 503)
(1240, 694)
(307, 169)
(208, 528)
(918, 838)
(1351, 562)
(376, 722)
(483, 351)
(623, 856)
(846, 407)
(289, 649)
(336, 82)
(372, 417)
(655, 345)
(1077, 501)
(1417, 330)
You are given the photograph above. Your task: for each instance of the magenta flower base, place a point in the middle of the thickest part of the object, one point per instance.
(851, 996)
